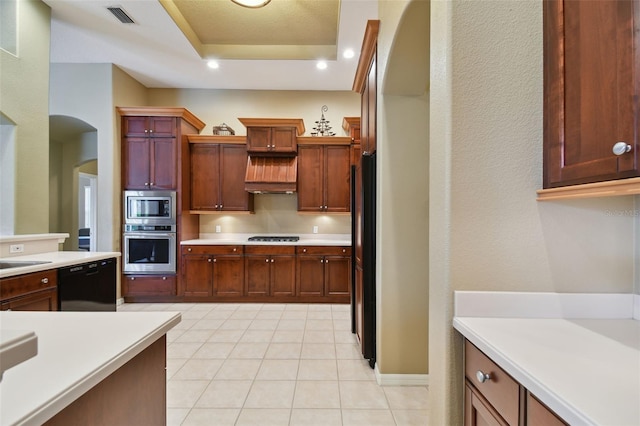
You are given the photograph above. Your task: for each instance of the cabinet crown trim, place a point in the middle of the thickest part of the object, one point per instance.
(183, 113)
(227, 139)
(298, 123)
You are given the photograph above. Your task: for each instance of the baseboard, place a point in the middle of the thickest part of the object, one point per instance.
(401, 379)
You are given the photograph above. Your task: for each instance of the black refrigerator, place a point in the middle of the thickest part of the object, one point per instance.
(363, 228)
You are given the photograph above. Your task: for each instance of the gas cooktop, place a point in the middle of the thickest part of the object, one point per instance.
(280, 239)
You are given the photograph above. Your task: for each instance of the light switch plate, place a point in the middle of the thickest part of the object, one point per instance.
(16, 248)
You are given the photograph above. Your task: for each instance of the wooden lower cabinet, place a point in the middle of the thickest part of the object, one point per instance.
(270, 271)
(209, 271)
(492, 397)
(324, 271)
(148, 285)
(30, 292)
(265, 273)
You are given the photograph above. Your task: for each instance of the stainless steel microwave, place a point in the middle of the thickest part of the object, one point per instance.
(150, 207)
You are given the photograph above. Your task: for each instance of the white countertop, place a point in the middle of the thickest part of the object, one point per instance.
(76, 350)
(16, 346)
(56, 259)
(243, 239)
(586, 370)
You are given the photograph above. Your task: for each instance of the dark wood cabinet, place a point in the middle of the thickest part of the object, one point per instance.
(324, 175)
(149, 285)
(155, 155)
(323, 271)
(149, 156)
(270, 271)
(212, 271)
(492, 397)
(591, 90)
(352, 126)
(30, 292)
(273, 136)
(218, 176)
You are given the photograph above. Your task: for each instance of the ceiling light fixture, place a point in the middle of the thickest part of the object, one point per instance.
(213, 64)
(348, 53)
(253, 4)
(321, 65)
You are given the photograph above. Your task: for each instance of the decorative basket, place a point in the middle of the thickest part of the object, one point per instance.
(223, 130)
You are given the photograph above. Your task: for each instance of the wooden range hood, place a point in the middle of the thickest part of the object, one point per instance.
(271, 175)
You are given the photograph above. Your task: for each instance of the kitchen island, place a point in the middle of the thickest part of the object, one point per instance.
(90, 368)
(578, 354)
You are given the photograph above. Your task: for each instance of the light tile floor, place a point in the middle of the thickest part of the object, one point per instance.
(275, 364)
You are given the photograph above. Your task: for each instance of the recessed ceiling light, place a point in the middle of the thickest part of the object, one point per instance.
(213, 64)
(348, 53)
(321, 65)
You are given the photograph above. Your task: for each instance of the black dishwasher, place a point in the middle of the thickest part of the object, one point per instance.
(88, 287)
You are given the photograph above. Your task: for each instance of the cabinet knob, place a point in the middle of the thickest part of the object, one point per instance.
(220, 206)
(235, 249)
(304, 250)
(209, 260)
(146, 131)
(150, 130)
(164, 278)
(266, 260)
(621, 148)
(146, 184)
(44, 280)
(344, 250)
(132, 278)
(321, 260)
(482, 376)
(215, 260)
(151, 184)
(216, 206)
(272, 260)
(189, 249)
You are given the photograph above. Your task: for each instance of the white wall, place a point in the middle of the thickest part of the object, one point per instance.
(7, 175)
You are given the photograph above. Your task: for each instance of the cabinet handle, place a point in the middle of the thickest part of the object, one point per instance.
(482, 376)
(621, 148)
(45, 281)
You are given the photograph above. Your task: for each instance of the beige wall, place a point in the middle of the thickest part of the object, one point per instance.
(402, 266)
(487, 231)
(24, 84)
(273, 213)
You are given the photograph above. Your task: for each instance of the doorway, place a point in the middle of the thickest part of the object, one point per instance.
(87, 216)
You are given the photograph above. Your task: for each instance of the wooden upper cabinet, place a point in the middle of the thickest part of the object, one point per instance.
(217, 174)
(591, 89)
(153, 146)
(273, 136)
(324, 175)
(352, 126)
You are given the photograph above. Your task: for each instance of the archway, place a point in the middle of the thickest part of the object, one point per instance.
(73, 149)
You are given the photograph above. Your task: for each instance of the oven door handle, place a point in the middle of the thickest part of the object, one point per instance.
(148, 235)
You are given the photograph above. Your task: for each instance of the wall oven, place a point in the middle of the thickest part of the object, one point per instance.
(149, 207)
(149, 249)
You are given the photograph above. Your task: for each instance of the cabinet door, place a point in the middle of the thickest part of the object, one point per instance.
(283, 275)
(205, 172)
(135, 126)
(478, 412)
(162, 127)
(233, 166)
(258, 139)
(539, 414)
(164, 163)
(337, 275)
(283, 139)
(136, 165)
(310, 275)
(45, 300)
(310, 178)
(590, 91)
(337, 178)
(257, 275)
(197, 274)
(228, 275)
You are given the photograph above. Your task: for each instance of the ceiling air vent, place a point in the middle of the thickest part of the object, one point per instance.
(122, 16)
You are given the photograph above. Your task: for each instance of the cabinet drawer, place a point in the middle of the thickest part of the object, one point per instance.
(140, 285)
(198, 249)
(24, 284)
(269, 250)
(324, 250)
(500, 390)
(539, 414)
